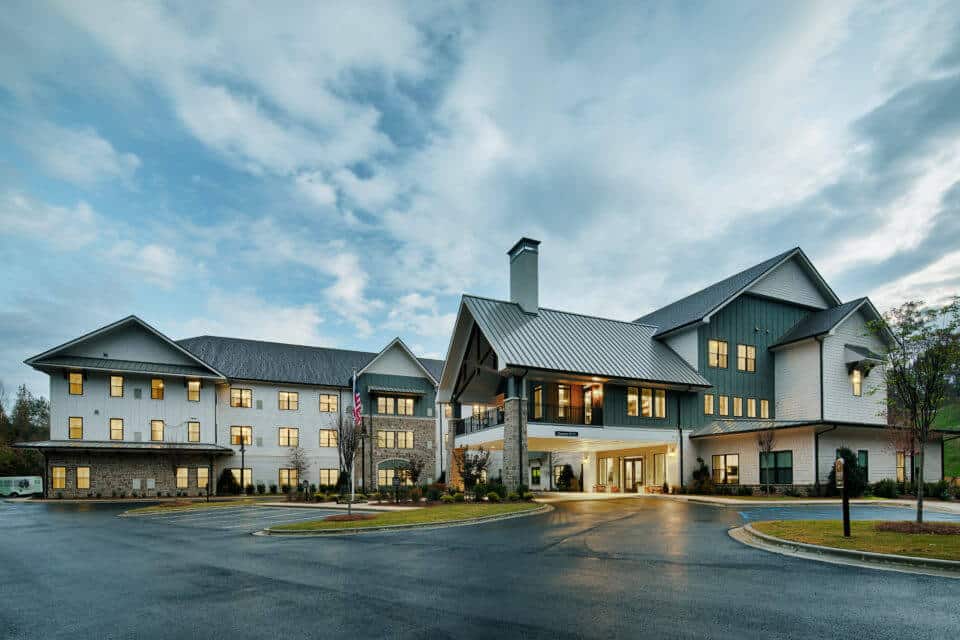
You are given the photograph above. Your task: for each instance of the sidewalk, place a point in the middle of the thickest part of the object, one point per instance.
(928, 505)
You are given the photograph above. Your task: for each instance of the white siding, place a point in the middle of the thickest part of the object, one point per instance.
(799, 441)
(790, 282)
(881, 458)
(130, 342)
(686, 345)
(396, 362)
(96, 407)
(797, 382)
(265, 456)
(839, 402)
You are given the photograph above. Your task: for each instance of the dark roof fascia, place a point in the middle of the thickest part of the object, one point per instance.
(801, 425)
(675, 386)
(137, 447)
(785, 345)
(40, 365)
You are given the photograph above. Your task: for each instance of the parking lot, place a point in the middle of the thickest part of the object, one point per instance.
(239, 518)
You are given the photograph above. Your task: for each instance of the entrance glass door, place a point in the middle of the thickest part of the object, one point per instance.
(632, 474)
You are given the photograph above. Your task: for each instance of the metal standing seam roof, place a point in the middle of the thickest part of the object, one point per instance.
(410, 391)
(132, 366)
(726, 427)
(697, 305)
(818, 322)
(562, 341)
(865, 353)
(243, 359)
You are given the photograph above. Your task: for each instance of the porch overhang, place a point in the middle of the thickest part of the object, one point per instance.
(92, 446)
(572, 438)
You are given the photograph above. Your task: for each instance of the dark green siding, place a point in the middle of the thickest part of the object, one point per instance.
(615, 410)
(747, 320)
(420, 404)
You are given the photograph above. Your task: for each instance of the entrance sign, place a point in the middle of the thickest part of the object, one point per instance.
(566, 434)
(838, 472)
(841, 476)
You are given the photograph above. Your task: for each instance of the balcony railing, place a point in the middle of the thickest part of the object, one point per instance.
(564, 414)
(480, 421)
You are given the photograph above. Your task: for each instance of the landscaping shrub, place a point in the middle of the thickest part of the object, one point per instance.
(433, 493)
(528, 496)
(665, 488)
(513, 496)
(702, 479)
(447, 498)
(498, 487)
(250, 490)
(791, 492)
(415, 494)
(479, 490)
(744, 491)
(458, 497)
(522, 489)
(60, 495)
(261, 488)
(565, 481)
(493, 496)
(856, 478)
(886, 488)
(938, 490)
(227, 484)
(313, 488)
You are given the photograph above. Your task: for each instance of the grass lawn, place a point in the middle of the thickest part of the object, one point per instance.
(185, 505)
(429, 515)
(863, 537)
(780, 498)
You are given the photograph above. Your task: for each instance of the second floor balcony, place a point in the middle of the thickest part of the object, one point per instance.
(564, 414)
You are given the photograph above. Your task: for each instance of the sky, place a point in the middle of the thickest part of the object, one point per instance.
(337, 174)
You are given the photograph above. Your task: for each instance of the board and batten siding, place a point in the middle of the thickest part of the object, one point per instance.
(797, 381)
(790, 282)
(96, 407)
(424, 406)
(839, 403)
(752, 321)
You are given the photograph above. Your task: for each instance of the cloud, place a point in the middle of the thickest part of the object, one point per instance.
(418, 314)
(64, 227)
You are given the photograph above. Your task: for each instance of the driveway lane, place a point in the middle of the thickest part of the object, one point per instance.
(589, 569)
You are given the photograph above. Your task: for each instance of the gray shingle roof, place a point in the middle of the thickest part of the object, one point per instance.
(561, 341)
(697, 305)
(818, 322)
(131, 366)
(278, 362)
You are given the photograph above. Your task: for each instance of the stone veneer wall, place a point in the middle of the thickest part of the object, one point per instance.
(453, 474)
(515, 458)
(424, 444)
(114, 473)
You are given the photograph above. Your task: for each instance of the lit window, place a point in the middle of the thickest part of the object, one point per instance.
(708, 404)
(385, 405)
(156, 389)
(288, 479)
(563, 400)
(328, 437)
(116, 428)
(116, 386)
(193, 432)
(535, 476)
(83, 477)
(646, 403)
(289, 437)
(76, 384)
(448, 411)
(751, 407)
(717, 353)
(183, 478)
(660, 404)
(856, 379)
(538, 402)
(633, 401)
(385, 476)
(242, 398)
(329, 477)
(328, 403)
(247, 477)
(901, 466)
(289, 400)
(203, 477)
(724, 405)
(386, 439)
(764, 408)
(193, 390)
(76, 428)
(746, 358)
(59, 477)
(404, 406)
(726, 469)
(404, 439)
(737, 407)
(242, 435)
(156, 430)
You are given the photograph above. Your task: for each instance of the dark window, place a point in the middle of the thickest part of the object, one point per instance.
(776, 467)
(863, 461)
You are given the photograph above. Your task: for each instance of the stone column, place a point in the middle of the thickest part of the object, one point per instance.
(454, 423)
(515, 436)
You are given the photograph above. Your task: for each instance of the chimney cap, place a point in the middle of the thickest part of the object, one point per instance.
(523, 243)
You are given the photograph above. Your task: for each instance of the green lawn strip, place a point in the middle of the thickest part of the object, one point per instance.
(429, 515)
(863, 537)
(779, 498)
(199, 506)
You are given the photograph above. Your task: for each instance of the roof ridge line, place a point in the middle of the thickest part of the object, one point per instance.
(569, 313)
(286, 344)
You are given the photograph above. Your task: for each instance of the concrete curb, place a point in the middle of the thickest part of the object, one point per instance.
(891, 562)
(403, 527)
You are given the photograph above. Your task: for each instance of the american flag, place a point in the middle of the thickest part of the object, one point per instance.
(357, 407)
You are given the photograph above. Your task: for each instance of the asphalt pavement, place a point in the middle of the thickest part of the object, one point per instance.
(638, 568)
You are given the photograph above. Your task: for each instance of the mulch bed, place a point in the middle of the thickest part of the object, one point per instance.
(345, 517)
(937, 528)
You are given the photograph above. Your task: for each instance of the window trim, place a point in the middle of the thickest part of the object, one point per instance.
(86, 486)
(163, 427)
(386, 405)
(751, 407)
(292, 400)
(332, 438)
(295, 431)
(776, 469)
(190, 425)
(70, 435)
(709, 407)
(325, 398)
(718, 355)
(723, 405)
(113, 386)
(206, 477)
(291, 473)
(764, 408)
(245, 435)
(190, 392)
(749, 358)
(110, 426)
(186, 478)
(71, 383)
(242, 403)
(737, 407)
(58, 477)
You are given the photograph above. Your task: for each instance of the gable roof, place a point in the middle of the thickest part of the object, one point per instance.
(823, 322)
(701, 304)
(258, 360)
(54, 358)
(400, 343)
(569, 342)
